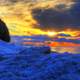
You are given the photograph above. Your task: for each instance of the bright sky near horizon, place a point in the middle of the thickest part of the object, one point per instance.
(17, 14)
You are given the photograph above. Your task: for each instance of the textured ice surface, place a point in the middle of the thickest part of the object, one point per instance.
(9, 49)
(34, 64)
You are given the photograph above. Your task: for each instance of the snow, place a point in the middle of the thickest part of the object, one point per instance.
(8, 49)
(37, 63)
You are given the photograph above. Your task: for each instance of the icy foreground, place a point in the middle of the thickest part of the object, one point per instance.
(36, 63)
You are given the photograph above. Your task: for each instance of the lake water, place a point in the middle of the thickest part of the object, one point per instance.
(66, 49)
(35, 42)
(60, 49)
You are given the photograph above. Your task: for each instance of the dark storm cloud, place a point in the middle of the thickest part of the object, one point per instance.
(58, 20)
(76, 0)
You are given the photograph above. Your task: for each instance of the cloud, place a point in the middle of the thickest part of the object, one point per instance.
(76, 0)
(65, 35)
(46, 15)
(58, 18)
(68, 40)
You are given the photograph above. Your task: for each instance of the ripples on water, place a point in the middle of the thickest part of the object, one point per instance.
(59, 49)
(63, 49)
(66, 49)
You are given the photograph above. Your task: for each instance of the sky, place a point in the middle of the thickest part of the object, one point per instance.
(27, 17)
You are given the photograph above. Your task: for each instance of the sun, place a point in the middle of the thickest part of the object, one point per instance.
(51, 34)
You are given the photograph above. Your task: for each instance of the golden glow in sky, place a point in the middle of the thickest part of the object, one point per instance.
(51, 34)
(19, 19)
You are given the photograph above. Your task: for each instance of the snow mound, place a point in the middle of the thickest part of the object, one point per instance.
(33, 64)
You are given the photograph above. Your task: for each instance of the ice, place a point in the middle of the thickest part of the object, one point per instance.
(37, 63)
